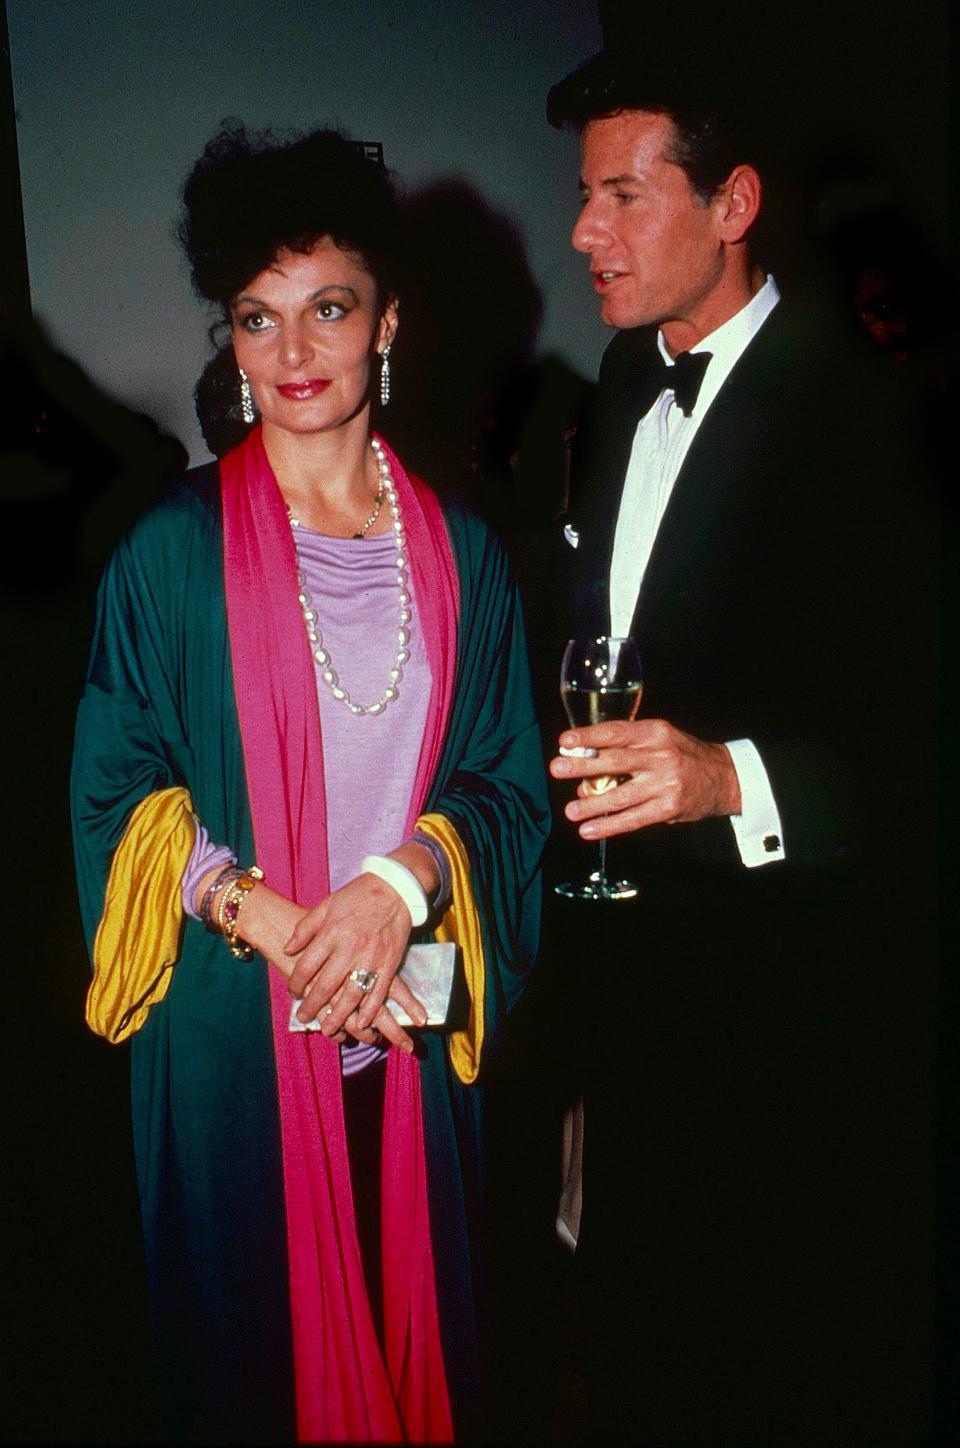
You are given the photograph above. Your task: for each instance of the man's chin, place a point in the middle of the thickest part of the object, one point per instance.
(617, 317)
(616, 312)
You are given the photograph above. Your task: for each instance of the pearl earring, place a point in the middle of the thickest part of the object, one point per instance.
(385, 375)
(246, 399)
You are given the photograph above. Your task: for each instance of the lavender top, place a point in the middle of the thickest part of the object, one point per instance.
(370, 761)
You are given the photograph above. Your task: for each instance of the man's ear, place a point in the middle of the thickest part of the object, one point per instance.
(738, 203)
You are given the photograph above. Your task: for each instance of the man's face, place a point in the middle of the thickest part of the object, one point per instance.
(654, 248)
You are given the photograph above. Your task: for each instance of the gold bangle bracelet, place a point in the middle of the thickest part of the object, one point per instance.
(229, 905)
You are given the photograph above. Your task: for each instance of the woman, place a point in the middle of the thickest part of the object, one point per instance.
(301, 659)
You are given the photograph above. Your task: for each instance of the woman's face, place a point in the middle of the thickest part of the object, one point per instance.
(305, 332)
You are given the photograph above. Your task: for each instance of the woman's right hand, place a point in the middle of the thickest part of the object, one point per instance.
(363, 926)
(269, 920)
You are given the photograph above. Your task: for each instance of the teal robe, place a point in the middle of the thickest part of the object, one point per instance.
(159, 710)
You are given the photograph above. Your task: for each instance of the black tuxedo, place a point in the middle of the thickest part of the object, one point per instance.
(756, 1245)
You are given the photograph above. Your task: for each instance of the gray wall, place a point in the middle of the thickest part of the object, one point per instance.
(115, 99)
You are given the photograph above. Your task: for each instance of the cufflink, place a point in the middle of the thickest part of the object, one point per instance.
(771, 843)
(571, 535)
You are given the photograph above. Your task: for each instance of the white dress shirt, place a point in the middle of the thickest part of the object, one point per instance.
(660, 444)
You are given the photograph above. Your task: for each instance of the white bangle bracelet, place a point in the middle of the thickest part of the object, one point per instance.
(404, 881)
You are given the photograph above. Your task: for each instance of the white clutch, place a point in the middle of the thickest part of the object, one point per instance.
(428, 970)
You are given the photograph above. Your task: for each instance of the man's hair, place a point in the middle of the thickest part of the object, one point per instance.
(711, 131)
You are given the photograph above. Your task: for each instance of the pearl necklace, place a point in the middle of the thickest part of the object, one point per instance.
(320, 653)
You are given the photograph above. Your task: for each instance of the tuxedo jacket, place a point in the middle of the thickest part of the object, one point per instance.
(786, 599)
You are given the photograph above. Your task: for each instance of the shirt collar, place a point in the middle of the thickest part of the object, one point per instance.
(728, 342)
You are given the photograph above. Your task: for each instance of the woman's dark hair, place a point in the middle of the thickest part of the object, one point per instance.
(251, 196)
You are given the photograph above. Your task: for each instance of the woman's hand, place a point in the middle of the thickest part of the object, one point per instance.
(363, 926)
(268, 920)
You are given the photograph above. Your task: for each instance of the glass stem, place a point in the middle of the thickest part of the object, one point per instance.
(602, 849)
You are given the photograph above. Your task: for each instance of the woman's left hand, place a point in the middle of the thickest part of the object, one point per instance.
(362, 926)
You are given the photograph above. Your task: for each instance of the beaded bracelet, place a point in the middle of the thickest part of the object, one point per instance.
(229, 872)
(228, 910)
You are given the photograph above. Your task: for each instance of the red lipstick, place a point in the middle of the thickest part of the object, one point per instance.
(303, 391)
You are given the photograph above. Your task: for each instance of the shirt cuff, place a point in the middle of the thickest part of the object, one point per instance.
(441, 900)
(757, 827)
(204, 856)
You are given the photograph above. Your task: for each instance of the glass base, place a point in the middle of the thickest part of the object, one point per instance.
(598, 887)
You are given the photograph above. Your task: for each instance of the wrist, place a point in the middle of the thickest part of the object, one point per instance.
(224, 894)
(269, 920)
(209, 889)
(730, 783)
(402, 879)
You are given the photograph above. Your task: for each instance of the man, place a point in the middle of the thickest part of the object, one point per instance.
(756, 1240)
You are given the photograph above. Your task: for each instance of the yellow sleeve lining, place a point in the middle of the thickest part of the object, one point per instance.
(461, 925)
(138, 938)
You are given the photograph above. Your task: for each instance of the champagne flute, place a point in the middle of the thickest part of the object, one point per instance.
(600, 679)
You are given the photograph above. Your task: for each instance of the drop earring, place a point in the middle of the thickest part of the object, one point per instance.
(385, 375)
(246, 399)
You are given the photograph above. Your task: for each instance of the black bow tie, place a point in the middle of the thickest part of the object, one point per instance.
(683, 379)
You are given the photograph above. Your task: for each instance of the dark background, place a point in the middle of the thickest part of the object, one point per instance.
(864, 134)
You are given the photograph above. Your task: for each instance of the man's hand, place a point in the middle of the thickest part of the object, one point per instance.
(667, 777)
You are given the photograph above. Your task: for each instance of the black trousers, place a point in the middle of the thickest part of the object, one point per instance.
(363, 1096)
(757, 1243)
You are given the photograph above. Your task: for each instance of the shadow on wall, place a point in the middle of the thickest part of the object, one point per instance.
(77, 467)
(468, 327)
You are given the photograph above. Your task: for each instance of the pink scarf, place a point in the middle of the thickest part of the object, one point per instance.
(347, 1390)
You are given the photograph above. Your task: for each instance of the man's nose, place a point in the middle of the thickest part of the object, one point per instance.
(589, 230)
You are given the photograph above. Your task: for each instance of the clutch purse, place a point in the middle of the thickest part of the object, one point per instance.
(429, 971)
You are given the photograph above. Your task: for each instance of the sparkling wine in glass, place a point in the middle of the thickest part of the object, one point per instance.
(600, 679)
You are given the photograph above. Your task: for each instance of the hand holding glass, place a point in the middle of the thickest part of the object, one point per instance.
(600, 679)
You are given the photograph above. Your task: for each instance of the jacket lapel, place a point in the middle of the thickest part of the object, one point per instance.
(714, 469)
(601, 454)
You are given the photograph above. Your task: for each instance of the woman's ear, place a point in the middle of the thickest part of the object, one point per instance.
(389, 322)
